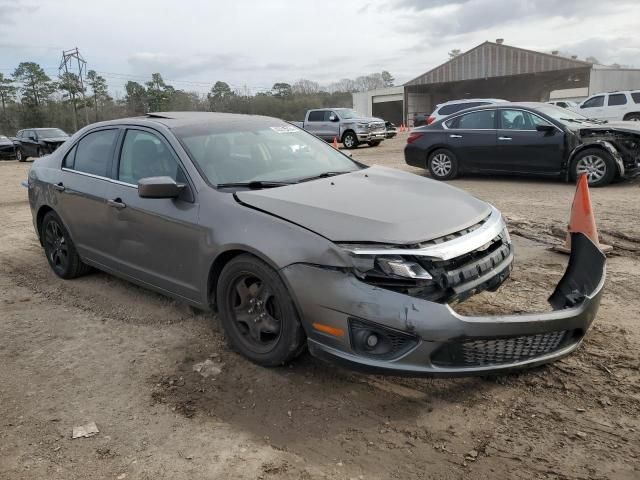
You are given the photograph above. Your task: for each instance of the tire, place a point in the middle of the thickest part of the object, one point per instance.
(39, 152)
(375, 143)
(20, 156)
(257, 313)
(59, 249)
(442, 164)
(633, 117)
(597, 164)
(350, 140)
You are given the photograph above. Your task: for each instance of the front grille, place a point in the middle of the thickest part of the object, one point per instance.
(499, 351)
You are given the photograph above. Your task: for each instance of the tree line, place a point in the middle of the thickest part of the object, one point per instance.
(29, 98)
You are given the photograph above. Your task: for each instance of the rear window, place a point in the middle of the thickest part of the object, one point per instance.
(316, 116)
(617, 99)
(456, 107)
(636, 96)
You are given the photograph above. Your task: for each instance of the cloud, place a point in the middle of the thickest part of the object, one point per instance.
(620, 50)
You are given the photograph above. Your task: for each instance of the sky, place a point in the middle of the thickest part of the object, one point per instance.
(194, 43)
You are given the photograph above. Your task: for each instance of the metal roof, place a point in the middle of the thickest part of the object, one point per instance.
(495, 60)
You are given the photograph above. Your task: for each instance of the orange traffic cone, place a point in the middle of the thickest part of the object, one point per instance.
(335, 143)
(402, 128)
(582, 219)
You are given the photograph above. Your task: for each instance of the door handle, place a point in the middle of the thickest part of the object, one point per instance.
(59, 187)
(505, 138)
(116, 203)
(455, 136)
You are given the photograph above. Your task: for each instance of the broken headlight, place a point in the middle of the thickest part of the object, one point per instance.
(391, 266)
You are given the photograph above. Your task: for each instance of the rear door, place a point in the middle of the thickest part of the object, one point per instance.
(316, 123)
(155, 240)
(593, 107)
(472, 138)
(81, 192)
(617, 106)
(524, 149)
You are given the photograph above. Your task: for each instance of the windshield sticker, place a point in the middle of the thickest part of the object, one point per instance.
(286, 129)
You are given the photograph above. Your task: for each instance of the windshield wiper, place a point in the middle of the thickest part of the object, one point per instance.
(253, 184)
(322, 175)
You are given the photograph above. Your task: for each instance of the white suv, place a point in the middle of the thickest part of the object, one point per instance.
(612, 106)
(453, 106)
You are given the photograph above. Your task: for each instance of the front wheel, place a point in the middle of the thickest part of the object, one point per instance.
(20, 156)
(258, 315)
(443, 164)
(350, 140)
(597, 164)
(375, 143)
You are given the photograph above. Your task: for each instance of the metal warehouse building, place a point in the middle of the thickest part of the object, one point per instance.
(495, 70)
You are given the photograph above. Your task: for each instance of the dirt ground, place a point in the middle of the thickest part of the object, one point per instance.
(98, 349)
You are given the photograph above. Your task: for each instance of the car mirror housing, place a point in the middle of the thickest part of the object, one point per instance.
(159, 187)
(333, 118)
(545, 128)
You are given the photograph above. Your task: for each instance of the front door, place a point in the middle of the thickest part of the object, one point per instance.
(524, 149)
(472, 138)
(155, 240)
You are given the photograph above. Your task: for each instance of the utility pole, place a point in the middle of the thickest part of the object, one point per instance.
(66, 64)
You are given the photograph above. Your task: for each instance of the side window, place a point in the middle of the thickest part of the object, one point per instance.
(519, 120)
(594, 102)
(617, 99)
(94, 152)
(481, 120)
(145, 155)
(316, 116)
(636, 97)
(70, 157)
(328, 114)
(20, 134)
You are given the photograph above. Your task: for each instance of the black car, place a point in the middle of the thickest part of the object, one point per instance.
(36, 142)
(526, 139)
(7, 148)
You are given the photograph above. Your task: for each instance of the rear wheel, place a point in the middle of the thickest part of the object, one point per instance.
(257, 312)
(633, 117)
(59, 248)
(597, 164)
(443, 164)
(350, 140)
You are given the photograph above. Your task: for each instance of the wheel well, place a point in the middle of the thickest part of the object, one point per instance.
(215, 270)
(345, 133)
(41, 213)
(636, 114)
(586, 147)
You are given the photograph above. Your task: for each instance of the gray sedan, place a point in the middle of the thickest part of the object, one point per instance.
(295, 244)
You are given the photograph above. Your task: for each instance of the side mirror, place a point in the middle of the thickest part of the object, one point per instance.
(582, 106)
(333, 118)
(159, 187)
(545, 128)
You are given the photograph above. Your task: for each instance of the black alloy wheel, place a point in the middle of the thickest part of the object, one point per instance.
(257, 312)
(60, 250)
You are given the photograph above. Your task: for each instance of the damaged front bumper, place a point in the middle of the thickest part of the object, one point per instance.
(419, 337)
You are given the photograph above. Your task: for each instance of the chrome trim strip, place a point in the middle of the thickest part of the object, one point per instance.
(99, 177)
(451, 249)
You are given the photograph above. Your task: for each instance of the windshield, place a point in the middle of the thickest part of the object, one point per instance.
(562, 114)
(51, 133)
(346, 113)
(260, 153)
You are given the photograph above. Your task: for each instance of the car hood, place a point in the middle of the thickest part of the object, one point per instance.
(364, 119)
(55, 139)
(377, 204)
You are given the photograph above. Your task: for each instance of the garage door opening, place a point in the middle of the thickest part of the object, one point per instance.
(389, 111)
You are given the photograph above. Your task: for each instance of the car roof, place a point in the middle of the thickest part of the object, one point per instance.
(468, 100)
(181, 119)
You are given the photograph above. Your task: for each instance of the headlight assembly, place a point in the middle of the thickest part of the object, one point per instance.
(393, 266)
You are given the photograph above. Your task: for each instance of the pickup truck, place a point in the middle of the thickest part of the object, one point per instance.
(347, 126)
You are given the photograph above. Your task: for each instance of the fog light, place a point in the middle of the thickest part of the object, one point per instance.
(372, 340)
